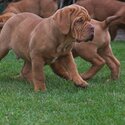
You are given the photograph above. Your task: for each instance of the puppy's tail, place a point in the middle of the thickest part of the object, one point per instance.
(109, 20)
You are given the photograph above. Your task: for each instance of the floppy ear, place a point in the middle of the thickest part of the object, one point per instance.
(62, 18)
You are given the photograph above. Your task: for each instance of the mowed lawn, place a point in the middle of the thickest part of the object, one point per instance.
(102, 103)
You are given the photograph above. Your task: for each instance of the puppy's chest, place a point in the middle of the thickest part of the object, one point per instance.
(61, 50)
(64, 48)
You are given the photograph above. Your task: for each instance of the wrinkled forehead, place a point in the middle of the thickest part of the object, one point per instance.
(80, 11)
(85, 15)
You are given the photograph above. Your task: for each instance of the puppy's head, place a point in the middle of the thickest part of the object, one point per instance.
(75, 20)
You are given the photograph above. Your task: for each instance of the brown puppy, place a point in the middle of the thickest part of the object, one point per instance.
(98, 52)
(43, 8)
(47, 41)
(101, 9)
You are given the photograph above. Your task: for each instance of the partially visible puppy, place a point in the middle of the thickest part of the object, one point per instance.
(47, 41)
(101, 9)
(99, 51)
(43, 8)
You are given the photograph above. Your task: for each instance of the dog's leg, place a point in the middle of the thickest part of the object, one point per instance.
(89, 53)
(3, 52)
(112, 62)
(60, 70)
(26, 71)
(72, 69)
(113, 32)
(69, 65)
(97, 63)
(4, 49)
(4, 43)
(37, 72)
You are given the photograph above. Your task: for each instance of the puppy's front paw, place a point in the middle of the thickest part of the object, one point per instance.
(82, 84)
(38, 87)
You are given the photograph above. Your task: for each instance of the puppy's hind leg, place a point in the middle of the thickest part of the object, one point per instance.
(97, 63)
(60, 70)
(4, 49)
(112, 62)
(26, 71)
(4, 43)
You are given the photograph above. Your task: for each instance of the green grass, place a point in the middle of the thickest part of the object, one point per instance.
(102, 103)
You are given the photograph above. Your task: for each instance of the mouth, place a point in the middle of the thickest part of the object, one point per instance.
(90, 38)
(79, 41)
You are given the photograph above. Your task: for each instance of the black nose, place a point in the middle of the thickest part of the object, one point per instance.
(91, 37)
(91, 29)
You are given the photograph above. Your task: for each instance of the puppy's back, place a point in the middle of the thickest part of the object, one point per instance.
(16, 32)
(19, 25)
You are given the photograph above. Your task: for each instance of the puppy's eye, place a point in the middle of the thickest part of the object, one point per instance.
(80, 20)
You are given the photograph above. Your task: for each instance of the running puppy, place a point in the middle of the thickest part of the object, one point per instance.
(47, 41)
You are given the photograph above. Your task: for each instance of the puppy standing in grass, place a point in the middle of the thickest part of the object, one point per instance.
(47, 41)
(98, 52)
